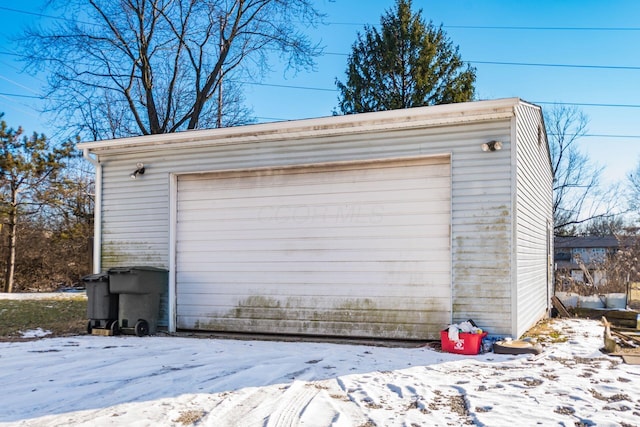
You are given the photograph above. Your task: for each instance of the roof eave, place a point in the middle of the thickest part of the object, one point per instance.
(421, 117)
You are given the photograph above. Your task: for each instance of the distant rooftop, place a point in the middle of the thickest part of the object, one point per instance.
(586, 242)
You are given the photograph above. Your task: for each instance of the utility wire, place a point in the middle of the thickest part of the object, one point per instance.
(478, 27)
(598, 135)
(21, 96)
(588, 104)
(287, 86)
(604, 67)
(41, 15)
(361, 24)
(300, 87)
(497, 27)
(521, 64)
(580, 104)
(533, 64)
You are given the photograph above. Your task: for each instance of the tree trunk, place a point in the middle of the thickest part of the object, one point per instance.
(11, 255)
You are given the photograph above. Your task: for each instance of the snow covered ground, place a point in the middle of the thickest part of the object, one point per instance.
(171, 381)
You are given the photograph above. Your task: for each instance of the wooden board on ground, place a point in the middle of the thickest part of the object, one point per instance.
(618, 318)
(631, 359)
(558, 305)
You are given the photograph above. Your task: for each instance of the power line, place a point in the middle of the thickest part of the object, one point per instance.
(26, 12)
(2, 52)
(533, 64)
(580, 104)
(21, 96)
(521, 64)
(509, 27)
(273, 119)
(361, 24)
(599, 135)
(497, 27)
(596, 135)
(588, 104)
(592, 135)
(287, 86)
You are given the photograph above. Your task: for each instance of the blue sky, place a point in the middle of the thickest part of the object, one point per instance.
(584, 45)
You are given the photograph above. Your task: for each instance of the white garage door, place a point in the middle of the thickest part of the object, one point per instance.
(359, 250)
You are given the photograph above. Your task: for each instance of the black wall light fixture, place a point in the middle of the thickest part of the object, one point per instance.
(491, 146)
(139, 171)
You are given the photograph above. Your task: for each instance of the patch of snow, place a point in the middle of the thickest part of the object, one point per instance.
(174, 381)
(35, 333)
(43, 295)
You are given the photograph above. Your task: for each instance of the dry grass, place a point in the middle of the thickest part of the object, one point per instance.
(545, 332)
(634, 295)
(190, 417)
(63, 317)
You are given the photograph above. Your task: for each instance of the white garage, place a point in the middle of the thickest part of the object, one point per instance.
(361, 248)
(379, 225)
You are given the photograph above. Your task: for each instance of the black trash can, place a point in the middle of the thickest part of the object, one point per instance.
(139, 289)
(102, 304)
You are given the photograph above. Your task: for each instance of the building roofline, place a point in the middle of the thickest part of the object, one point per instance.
(586, 242)
(419, 117)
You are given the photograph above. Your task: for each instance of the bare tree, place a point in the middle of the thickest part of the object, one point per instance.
(120, 67)
(577, 194)
(633, 185)
(610, 226)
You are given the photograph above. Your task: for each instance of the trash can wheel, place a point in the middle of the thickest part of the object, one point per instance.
(89, 327)
(112, 325)
(141, 328)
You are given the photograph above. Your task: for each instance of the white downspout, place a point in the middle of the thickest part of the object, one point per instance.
(97, 214)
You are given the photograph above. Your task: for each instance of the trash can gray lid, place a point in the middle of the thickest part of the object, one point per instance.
(133, 269)
(99, 277)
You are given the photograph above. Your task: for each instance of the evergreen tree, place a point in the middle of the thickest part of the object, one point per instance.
(28, 165)
(407, 63)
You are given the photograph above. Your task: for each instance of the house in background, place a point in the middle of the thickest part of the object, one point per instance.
(581, 259)
(384, 225)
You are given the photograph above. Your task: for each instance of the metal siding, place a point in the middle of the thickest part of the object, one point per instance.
(481, 232)
(135, 218)
(135, 235)
(533, 213)
(359, 250)
(136, 212)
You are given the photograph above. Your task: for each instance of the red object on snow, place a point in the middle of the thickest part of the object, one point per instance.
(468, 343)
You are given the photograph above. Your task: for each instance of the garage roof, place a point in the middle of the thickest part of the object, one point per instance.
(421, 117)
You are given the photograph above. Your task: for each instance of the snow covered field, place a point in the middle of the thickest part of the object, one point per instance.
(170, 381)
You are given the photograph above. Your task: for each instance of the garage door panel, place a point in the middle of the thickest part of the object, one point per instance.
(296, 215)
(364, 189)
(373, 196)
(238, 292)
(328, 260)
(422, 327)
(304, 216)
(342, 310)
(201, 243)
(293, 280)
(293, 230)
(391, 259)
(268, 182)
(305, 246)
(301, 176)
